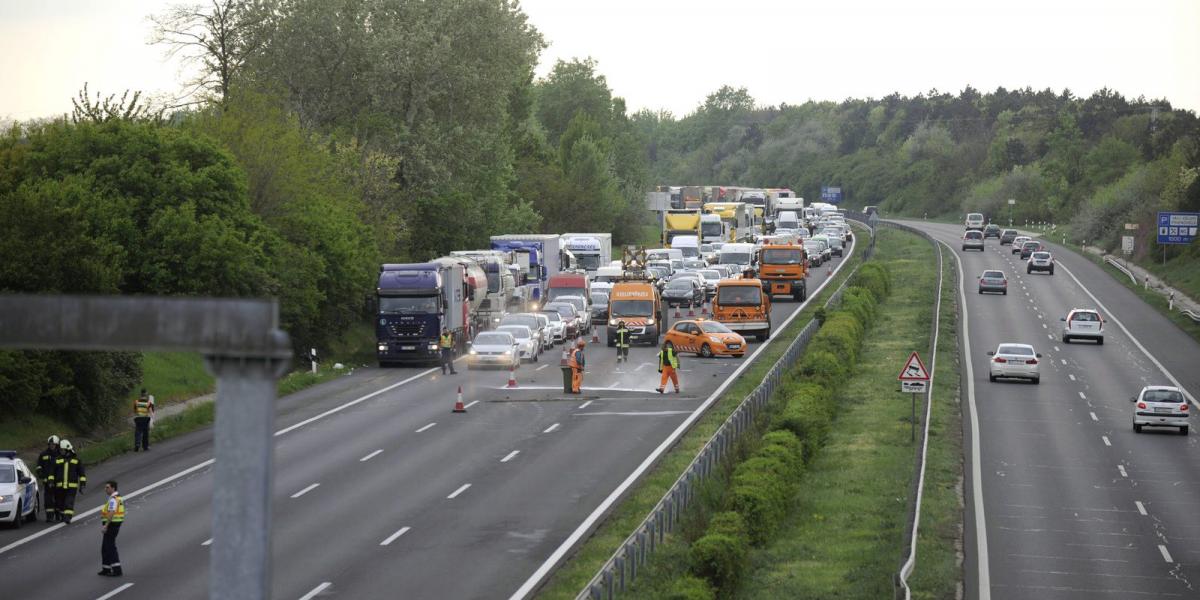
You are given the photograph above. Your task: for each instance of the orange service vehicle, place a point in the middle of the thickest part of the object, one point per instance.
(636, 302)
(784, 267)
(744, 306)
(706, 338)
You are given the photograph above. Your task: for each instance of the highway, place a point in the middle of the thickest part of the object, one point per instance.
(380, 491)
(1063, 499)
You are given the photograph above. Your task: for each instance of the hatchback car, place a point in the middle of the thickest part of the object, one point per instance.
(1018, 242)
(1083, 323)
(536, 326)
(1160, 406)
(493, 349)
(972, 240)
(570, 317)
(1019, 361)
(558, 327)
(1040, 261)
(993, 281)
(706, 338)
(687, 291)
(1007, 236)
(528, 347)
(991, 230)
(20, 494)
(1028, 248)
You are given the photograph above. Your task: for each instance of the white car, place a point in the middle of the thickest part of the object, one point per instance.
(527, 344)
(1160, 406)
(545, 335)
(1018, 361)
(20, 496)
(1040, 261)
(581, 305)
(1083, 323)
(558, 327)
(493, 349)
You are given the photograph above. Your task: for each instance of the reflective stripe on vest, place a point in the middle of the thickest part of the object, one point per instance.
(142, 407)
(446, 341)
(671, 360)
(116, 516)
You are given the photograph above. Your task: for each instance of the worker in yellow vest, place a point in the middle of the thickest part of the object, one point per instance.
(143, 411)
(668, 362)
(446, 343)
(112, 514)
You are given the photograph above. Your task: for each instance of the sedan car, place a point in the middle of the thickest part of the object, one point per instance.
(972, 240)
(993, 281)
(1007, 236)
(1160, 406)
(706, 338)
(494, 349)
(711, 277)
(20, 494)
(991, 230)
(1028, 248)
(813, 249)
(527, 342)
(1018, 361)
(570, 316)
(1018, 242)
(530, 320)
(1040, 261)
(558, 326)
(1083, 323)
(687, 291)
(581, 306)
(692, 264)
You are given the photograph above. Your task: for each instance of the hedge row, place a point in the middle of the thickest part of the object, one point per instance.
(762, 486)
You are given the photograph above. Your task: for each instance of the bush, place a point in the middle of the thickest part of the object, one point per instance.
(717, 558)
(861, 303)
(841, 335)
(731, 524)
(822, 367)
(808, 416)
(874, 277)
(761, 498)
(690, 587)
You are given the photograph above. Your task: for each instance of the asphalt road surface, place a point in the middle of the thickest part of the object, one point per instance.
(380, 491)
(1072, 504)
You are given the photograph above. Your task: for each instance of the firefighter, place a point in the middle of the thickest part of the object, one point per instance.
(446, 343)
(668, 362)
(69, 480)
(143, 411)
(45, 472)
(622, 342)
(577, 367)
(112, 514)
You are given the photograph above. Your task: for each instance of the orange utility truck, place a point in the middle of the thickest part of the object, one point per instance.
(744, 306)
(784, 268)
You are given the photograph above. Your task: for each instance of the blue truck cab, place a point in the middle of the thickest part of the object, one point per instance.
(414, 303)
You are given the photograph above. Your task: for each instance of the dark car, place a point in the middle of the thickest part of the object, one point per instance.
(1007, 236)
(599, 307)
(992, 230)
(1029, 248)
(683, 292)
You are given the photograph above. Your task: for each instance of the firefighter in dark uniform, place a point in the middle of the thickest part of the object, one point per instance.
(112, 514)
(69, 480)
(446, 343)
(45, 471)
(622, 342)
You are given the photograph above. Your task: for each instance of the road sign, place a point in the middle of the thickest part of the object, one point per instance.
(1177, 227)
(1127, 245)
(1011, 202)
(914, 370)
(831, 194)
(914, 387)
(1131, 226)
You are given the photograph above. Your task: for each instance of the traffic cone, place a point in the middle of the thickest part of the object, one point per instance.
(691, 312)
(512, 377)
(595, 335)
(704, 310)
(458, 404)
(677, 315)
(829, 271)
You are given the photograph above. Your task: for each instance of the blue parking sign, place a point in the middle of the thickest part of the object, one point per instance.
(1177, 227)
(831, 194)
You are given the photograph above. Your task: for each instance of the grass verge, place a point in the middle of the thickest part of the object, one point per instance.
(569, 579)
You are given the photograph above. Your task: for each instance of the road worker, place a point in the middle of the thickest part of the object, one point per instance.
(668, 362)
(112, 515)
(446, 343)
(69, 480)
(577, 367)
(622, 334)
(566, 363)
(143, 411)
(45, 471)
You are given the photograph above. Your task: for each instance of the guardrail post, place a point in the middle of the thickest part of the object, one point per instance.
(596, 592)
(608, 585)
(660, 519)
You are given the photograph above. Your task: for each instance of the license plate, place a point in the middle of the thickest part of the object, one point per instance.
(734, 346)
(408, 347)
(1162, 410)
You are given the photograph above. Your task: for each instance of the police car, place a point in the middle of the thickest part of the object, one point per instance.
(20, 496)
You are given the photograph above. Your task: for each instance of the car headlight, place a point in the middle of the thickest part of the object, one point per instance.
(472, 351)
(534, 306)
(4, 499)
(383, 347)
(649, 321)
(433, 346)
(508, 353)
(612, 322)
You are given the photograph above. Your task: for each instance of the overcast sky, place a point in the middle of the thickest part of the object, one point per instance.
(670, 54)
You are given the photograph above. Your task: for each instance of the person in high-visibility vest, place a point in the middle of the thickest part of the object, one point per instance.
(69, 480)
(668, 362)
(143, 411)
(577, 367)
(45, 472)
(446, 343)
(112, 514)
(622, 341)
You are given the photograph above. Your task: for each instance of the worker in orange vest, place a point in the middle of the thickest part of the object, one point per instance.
(577, 364)
(668, 361)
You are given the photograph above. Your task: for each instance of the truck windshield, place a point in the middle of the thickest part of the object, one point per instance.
(588, 262)
(735, 258)
(739, 295)
(493, 282)
(556, 292)
(711, 229)
(782, 257)
(631, 308)
(408, 305)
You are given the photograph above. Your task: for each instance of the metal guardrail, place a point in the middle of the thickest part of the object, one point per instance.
(622, 567)
(1110, 260)
(1191, 315)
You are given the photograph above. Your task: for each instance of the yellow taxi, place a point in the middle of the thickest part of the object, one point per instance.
(706, 338)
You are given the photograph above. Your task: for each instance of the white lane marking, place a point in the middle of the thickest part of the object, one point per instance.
(1063, 361)
(306, 490)
(1112, 317)
(1106, 442)
(585, 405)
(615, 384)
(1141, 507)
(1082, 396)
(642, 366)
(460, 490)
(1057, 349)
(1094, 417)
(558, 553)
(392, 538)
(317, 590)
(115, 592)
(1041, 317)
(551, 428)
(426, 428)
(371, 455)
(1071, 376)
(510, 456)
(1049, 336)
(207, 542)
(471, 403)
(658, 413)
(541, 367)
(1044, 326)
(354, 402)
(1121, 468)
(1166, 555)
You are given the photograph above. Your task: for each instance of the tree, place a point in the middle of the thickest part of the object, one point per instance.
(217, 40)
(573, 88)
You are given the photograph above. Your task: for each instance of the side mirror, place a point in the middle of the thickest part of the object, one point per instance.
(22, 479)
(1039, 355)
(991, 353)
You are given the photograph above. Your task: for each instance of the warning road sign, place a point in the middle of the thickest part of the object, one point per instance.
(914, 370)
(913, 387)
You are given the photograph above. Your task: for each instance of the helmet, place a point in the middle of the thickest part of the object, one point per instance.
(581, 343)
(66, 445)
(53, 440)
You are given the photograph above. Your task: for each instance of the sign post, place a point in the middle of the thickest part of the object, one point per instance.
(914, 379)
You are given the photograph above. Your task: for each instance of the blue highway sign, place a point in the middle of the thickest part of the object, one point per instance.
(1177, 227)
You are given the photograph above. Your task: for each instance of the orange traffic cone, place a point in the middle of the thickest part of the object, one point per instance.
(512, 377)
(595, 335)
(704, 310)
(829, 271)
(691, 313)
(458, 404)
(677, 315)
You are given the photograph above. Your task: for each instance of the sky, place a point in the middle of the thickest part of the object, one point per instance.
(670, 54)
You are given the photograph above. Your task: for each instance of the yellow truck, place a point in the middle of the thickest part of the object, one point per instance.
(680, 223)
(738, 218)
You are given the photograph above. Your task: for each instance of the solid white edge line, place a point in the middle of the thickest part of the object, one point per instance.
(1106, 440)
(317, 590)
(306, 490)
(551, 428)
(1166, 555)
(460, 490)
(510, 456)
(544, 569)
(371, 455)
(426, 428)
(123, 588)
(1141, 507)
(392, 538)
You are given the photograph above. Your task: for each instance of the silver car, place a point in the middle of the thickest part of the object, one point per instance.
(527, 343)
(558, 327)
(1019, 361)
(972, 240)
(529, 320)
(493, 349)
(1160, 406)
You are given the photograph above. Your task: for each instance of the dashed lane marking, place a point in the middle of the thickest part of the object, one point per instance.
(1106, 442)
(541, 367)
(306, 490)
(371, 455)
(1072, 376)
(1121, 468)
(1094, 418)
(1166, 555)
(317, 590)
(1082, 396)
(460, 490)
(1141, 507)
(207, 542)
(510, 456)
(392, 538)
(426, 428)
(471, 403)
(551, 428)
(115, 592)
(585, 405)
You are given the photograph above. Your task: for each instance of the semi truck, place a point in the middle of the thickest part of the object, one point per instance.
(415, 302)
(591, 250)
(501, 284)
(680, 222)
(693, 197)
(539, 254)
